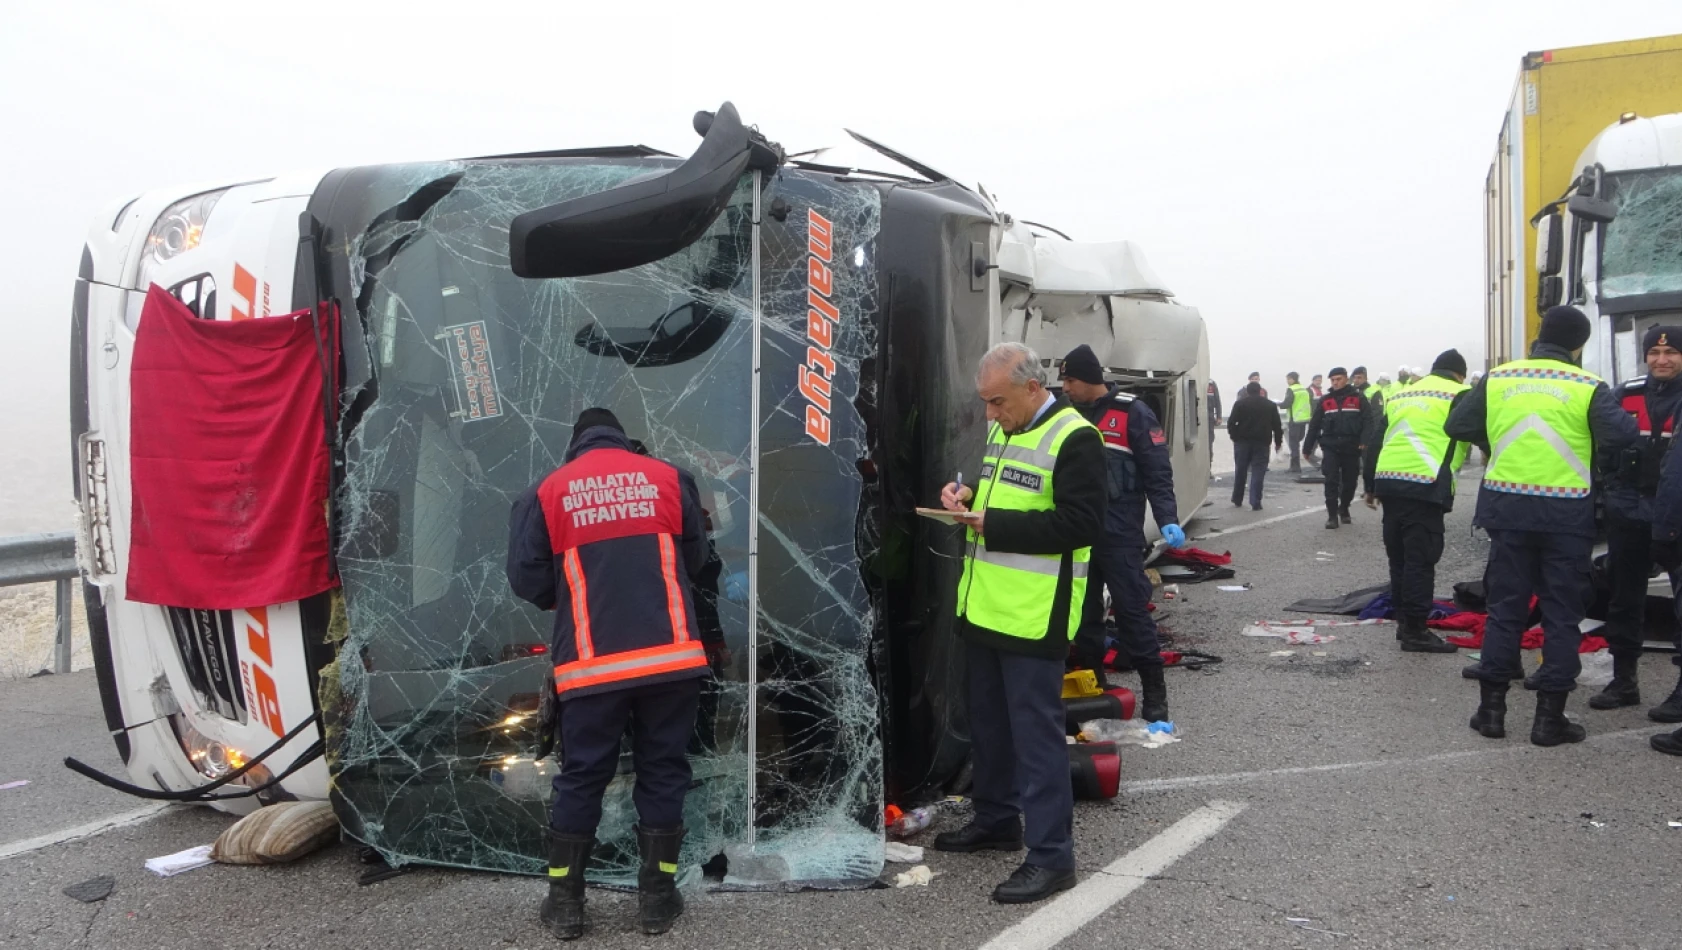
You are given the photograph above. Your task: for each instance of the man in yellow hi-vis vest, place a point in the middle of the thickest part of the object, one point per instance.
(1541, 420)
(1299, 408)
(1032, 519)
(1413, 473)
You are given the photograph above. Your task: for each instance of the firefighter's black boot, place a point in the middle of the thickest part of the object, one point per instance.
(1491, 718)
(1623, 690)
(1551, 726)
(1343, 516)
(658, 902)
(1153, 701)
(1670, 743)
(1331, 516)
(1417, 638)
(1671, 709)
(563, 910)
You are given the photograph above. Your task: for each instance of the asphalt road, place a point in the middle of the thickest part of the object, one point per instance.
(1343, 790)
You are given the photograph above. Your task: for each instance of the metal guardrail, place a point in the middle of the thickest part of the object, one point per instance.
(37, 559)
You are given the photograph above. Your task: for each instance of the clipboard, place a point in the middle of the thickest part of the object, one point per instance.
(944, 516)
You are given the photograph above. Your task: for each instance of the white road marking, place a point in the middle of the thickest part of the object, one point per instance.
(1239, 778)
(99, 827)
(1060, 919)
(1228, 532)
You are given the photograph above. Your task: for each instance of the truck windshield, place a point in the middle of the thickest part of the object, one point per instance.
(1642, 249)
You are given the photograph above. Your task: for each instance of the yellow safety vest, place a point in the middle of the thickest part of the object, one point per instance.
(1415, 445)
(1538, 422)
(1302, 403)
(1012, 594)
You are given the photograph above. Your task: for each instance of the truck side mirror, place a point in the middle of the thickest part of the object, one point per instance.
(1598, 210)
(641, 221)
(1550, 248)
(1549, 292)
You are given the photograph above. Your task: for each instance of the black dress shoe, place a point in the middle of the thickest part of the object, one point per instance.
(1670, 743)
(1033, 883)
(973, 837)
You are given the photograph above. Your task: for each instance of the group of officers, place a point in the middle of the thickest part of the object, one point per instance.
(1056, 517)
(1554, 438)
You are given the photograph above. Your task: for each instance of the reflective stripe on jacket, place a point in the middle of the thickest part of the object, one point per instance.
(1538, 424)
(1012, 594)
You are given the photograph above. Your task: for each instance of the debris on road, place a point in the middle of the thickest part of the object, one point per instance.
(17, 784)
(918, 876)
(172, 864)
(92, 890)
(1131, 732)
(1302, 923)
(898, 852)
(278, 833)
(1235, 587)
(1299, 634)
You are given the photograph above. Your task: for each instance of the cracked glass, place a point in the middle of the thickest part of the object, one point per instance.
(1642, 249)
(464, 383)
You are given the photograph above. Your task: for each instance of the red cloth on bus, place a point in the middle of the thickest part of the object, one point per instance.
(227, 459)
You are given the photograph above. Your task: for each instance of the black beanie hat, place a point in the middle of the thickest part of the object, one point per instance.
(1338, 371)
(591, 418)
(1564, 327)
(1449, 361)
(1082, 364)
(1661, 336)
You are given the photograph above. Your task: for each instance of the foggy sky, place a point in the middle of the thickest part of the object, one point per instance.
(1309, 175)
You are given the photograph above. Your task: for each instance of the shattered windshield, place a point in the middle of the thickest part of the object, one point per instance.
(1641, 252)
(474, 377)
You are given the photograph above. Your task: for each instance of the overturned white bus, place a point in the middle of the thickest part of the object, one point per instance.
(801, 337)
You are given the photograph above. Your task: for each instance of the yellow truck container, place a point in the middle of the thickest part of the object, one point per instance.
(1564, 100)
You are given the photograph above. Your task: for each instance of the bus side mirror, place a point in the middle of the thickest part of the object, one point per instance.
(641, 221)
(1550, 249)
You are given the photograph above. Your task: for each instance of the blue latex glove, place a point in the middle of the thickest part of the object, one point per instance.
(1174, 535)
(736, 587)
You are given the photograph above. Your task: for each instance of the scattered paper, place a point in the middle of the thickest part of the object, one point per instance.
(918, 876)
(1598, 824)
(1324, 554)
(1320, 653)
(1676, 824)
(1298, 635)
(901, 853)
(172, 864)
(1283, 653)
(1235, 587)
(17, 784)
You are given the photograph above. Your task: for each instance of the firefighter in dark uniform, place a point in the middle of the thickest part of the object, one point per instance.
(1339, 426)
(1632, 479)
(1412, 473)
(1139, 469)
(611, 541)
(1541, 420)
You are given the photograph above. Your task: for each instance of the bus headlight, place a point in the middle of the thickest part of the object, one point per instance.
(179, 229)
(211, 758)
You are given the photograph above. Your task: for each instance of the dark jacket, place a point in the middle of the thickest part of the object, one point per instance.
(1138, 462)
(1078, 493)
(1439, 492)
(1631, 476)
(1611, 427)
(1255, 419)
(605, 544)
(1342, 418)
(1666, 504)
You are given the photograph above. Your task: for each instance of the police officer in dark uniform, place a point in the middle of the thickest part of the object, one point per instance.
(1541, 420)
(1667, 531)
(1340, 424)
(1631, 480)
(1412, 469)
(1139, 469)
(611, 541)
